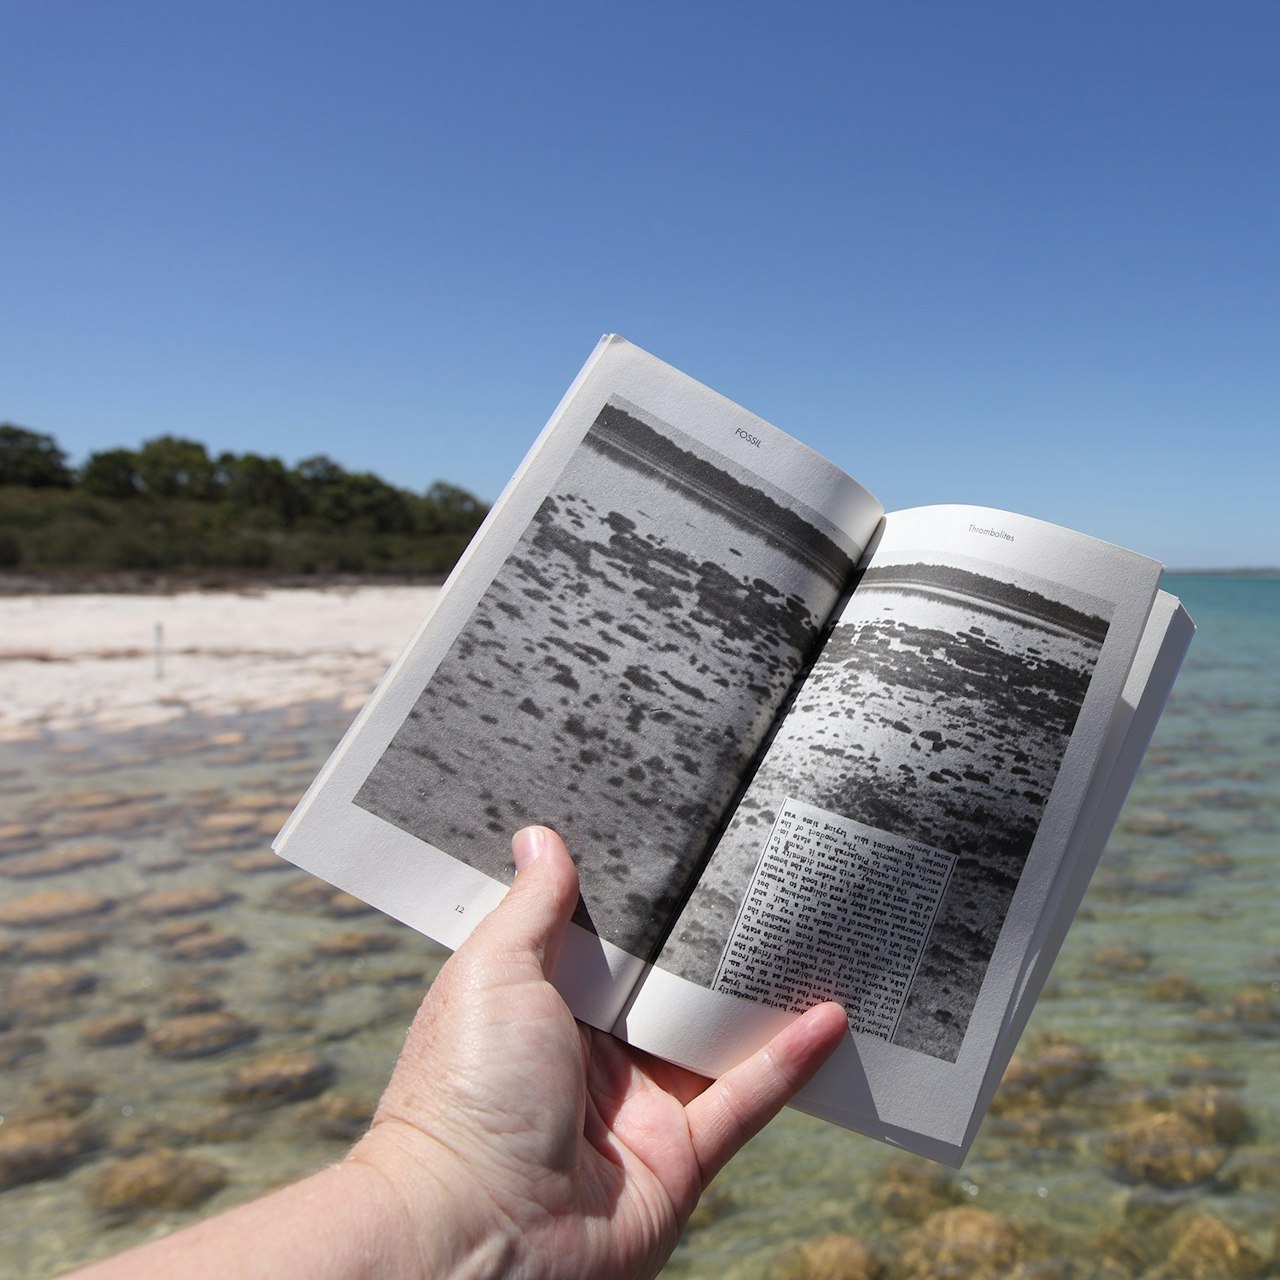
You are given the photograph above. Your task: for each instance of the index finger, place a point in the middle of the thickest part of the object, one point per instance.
(742, 1101)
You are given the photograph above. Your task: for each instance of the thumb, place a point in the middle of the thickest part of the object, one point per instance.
(533, 917)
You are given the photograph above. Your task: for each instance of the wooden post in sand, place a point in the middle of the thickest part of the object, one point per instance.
(159, 650)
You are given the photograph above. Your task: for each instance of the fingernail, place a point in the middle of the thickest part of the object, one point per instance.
(527, 846)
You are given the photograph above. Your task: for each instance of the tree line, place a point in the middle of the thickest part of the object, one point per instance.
(170, 505)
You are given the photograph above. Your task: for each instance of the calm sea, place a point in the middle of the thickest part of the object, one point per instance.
(146, 927)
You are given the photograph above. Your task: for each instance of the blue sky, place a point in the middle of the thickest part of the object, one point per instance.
(1016, 254)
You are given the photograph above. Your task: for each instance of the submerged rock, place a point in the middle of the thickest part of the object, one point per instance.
(1120, 959)
(325, 983)
(969, 1242)
(263, 801)
(1213, 860)
(1255, 1170)
(1174, 988)
(1166, 1150)
(1123, 1253)
(161, 903)
(341, 905)
(279, 1078)
(269, 823)
(205, 944)
(52, 906)
(177, 929)
(1015, 1132)
(354, 944)
(165, 865)
(60, 1100)
(123, 819)
(38, 996)
(1252, 1012)
(112, 1029)
(100, 798)
(225, 1123)
(312, 894)
(36, 988)
(59, 944)
(198, 1034)
(262, 862)
(1256, 1009)
(221, 842)
(915, 1190)
(188, 1000)
(63, 1100)
(344, 1119)
(1218, 1110)
(1051, 1069)
(1148, 1209)
(829, 1257)
(18, 1046)
(1152, 822)
(57, 862)
(18, 837)
(156, 1180)
(226, 821)
(35, 1149)
(1210, 1249)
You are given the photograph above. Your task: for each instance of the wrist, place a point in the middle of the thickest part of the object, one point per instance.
(433, 1218)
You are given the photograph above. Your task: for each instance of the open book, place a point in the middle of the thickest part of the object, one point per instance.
(799, 748)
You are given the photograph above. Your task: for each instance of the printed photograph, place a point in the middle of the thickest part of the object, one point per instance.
(620, 672)
(939, 710)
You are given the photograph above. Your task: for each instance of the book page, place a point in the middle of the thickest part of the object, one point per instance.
(836, 910)
(896, 845)
(606, 660)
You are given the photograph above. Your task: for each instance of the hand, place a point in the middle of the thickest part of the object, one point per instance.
(571, 1150)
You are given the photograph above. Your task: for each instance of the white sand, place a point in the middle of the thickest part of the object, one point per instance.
(116, 661)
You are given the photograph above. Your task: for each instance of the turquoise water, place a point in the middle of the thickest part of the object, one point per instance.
(1169, 979)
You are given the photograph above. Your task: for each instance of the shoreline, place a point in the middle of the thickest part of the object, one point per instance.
(100, 660)
(150, 582)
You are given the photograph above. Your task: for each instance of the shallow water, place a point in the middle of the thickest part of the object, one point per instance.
(1188, 889)
(190, 806)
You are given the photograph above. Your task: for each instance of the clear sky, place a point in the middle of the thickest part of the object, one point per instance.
(1025, 255)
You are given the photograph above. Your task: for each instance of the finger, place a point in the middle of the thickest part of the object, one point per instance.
(738, 1105)
(533, 917)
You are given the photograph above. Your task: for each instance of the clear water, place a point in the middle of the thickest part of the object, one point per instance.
(1188, 888)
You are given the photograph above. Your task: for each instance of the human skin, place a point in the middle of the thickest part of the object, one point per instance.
(511, 1140)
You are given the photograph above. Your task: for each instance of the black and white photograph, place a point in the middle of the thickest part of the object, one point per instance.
(619, 673)
(939, 711)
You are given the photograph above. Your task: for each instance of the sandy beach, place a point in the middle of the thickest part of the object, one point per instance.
(113, 661)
